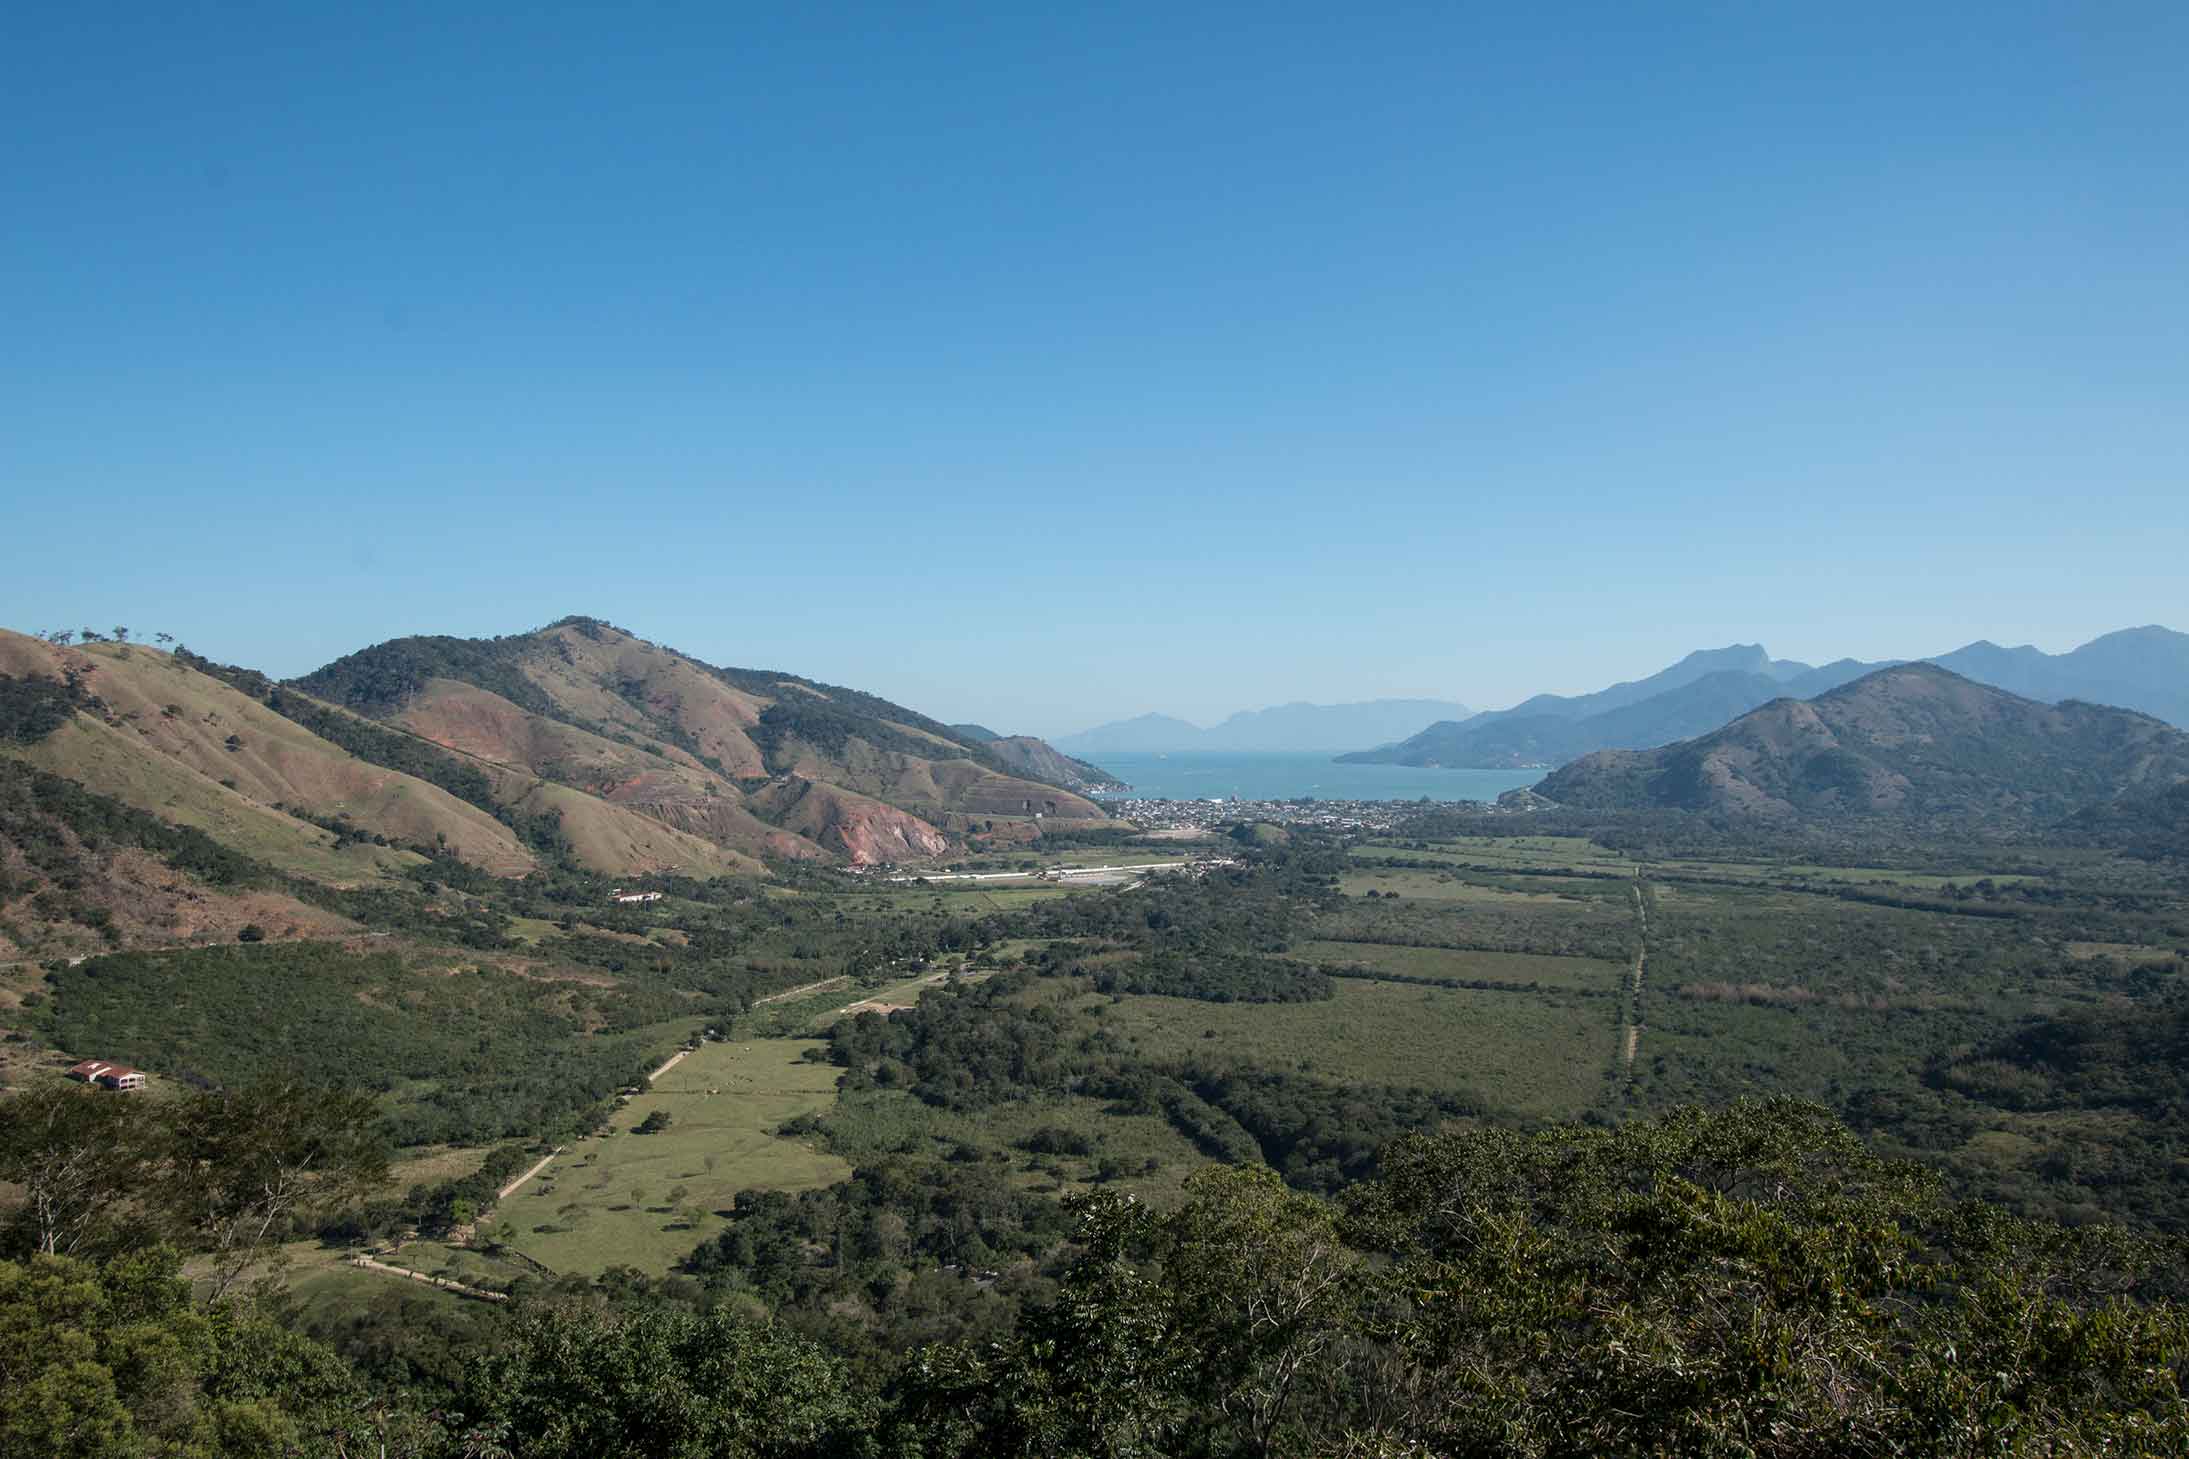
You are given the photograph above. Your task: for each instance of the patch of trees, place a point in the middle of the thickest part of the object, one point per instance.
(962, 1048)
(382, 679)
(431, 1210)
(487, 1056)
(2130, 1055)
(824, 726)
(53, 821)
(1217, 978)
(1321, 1136)
(393, 749)
(33, 707)
(888, 1215)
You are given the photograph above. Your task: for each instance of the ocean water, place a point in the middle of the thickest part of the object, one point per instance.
(1267, 775)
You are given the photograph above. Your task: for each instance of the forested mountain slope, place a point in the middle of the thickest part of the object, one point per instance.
(1915, 742)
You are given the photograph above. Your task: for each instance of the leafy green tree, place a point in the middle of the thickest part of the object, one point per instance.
(77, 1156)
(1102, 1372)
(245, 1168)
(116, 1362)
(664, 1385)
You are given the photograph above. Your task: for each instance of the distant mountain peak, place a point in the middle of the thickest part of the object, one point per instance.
(1913, 741)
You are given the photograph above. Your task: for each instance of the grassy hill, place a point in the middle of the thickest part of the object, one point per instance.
(759, 762)
(152, 799)
(156, 733)
(1914, 742)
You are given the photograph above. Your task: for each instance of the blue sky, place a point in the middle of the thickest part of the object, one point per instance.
(1048, 368)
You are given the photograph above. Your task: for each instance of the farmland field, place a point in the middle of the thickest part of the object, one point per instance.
(1535, 1054)
(1464, 964)
(622, 1197)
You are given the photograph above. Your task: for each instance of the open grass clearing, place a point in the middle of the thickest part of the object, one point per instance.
(1443, 886)
(1589, 974)
(432, 1165)
(612, 1199)
(1539, 1055)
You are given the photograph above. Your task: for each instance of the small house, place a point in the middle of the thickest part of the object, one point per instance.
(107, 1075)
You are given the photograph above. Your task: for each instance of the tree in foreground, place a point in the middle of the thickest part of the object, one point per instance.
(665, 1385)
(1746, 1282)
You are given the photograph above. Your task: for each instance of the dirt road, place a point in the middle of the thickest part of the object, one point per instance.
(538, 1166)
(1631, 1043)
(368, 1264)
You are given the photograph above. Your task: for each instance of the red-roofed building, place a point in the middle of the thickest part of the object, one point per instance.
(108, 1075)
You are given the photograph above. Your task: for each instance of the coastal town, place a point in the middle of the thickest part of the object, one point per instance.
(1340, 815)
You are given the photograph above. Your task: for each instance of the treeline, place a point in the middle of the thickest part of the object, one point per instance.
(33, 707)
(1216, 978)
(54, 822)
(383, 678)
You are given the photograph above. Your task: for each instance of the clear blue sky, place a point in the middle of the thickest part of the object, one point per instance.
(1044, 368)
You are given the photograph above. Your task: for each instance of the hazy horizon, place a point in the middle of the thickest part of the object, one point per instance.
(1045, 369)
(1060, 730)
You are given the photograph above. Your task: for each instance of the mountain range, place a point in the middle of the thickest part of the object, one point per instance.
(1914, 742)
(577, 743)
(1284, 727)
(2145, 669)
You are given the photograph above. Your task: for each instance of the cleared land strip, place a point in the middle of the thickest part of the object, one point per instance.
(444, 1283)
(798, 992)
(1057, 873)
(670, 1063)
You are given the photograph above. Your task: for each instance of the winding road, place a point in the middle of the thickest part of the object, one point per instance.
(1631, 1041)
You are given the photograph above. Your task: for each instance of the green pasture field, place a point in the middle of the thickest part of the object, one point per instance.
(611, 1194)
(431, 1165)
(957, 897)
(473, 1268)
(1589, 974)
(1551, 853)
(1476, 887)
(331, 1290)
(1540, 1055)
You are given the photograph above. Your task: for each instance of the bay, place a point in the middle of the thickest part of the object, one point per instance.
(1279, 775)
